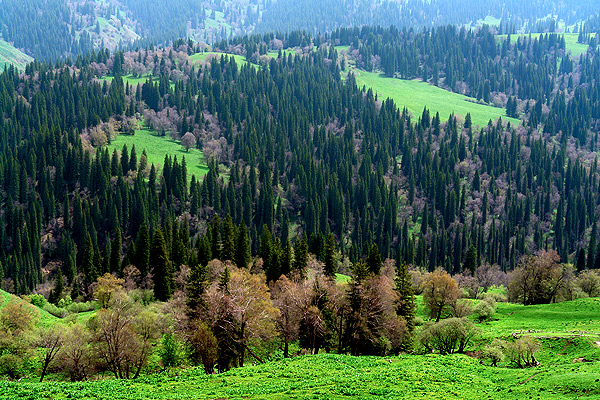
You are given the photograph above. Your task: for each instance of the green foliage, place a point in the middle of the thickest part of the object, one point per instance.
(406, 306)
(161, 268)
(170, 351)
(37, 300)
(485, 309)
(448, 336)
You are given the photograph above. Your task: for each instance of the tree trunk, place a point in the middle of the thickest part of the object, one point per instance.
(253, 354)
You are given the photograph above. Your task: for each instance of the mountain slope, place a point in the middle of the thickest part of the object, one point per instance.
(9, 55)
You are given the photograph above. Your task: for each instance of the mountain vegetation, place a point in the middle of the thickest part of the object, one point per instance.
(166, 205)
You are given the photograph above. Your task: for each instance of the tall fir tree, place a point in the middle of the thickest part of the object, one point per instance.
(161, 269)
(406, 306)
(330, 268)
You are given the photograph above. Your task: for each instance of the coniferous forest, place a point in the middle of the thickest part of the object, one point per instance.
(325, 207)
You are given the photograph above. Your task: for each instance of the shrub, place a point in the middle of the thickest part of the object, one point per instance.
(497, 297)
(522, 351)
(494, 352)
(448, 336)
(463, 308)
(37, 300)
(169, 352)
(485, 309)
(56, 311)
(11, 365)
(203, 347)
(81, 307)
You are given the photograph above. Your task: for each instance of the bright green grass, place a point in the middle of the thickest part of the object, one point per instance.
(157, 147)
(202, 57)
(10, 55)
(341, 278)
(571, 44)
(338, 377)
(286, 53)
(560, 319)
(133, 80)
(45, 318)
(415, 95)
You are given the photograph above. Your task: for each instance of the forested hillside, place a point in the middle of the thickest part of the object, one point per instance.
(325, 16)
(272, 206)
(51, 29)
(310, 159)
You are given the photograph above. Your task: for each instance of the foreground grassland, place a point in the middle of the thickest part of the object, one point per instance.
(10, 55)
(416, 95)
(157, 147)
(565, 331)
(337, 377)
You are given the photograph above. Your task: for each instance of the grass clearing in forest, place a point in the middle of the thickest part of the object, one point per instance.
(415, 95)
(10, 55)
(157, 147)
(571, 43)
(132, 80)
(199, 58)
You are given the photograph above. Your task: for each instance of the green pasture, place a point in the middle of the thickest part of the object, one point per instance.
(330, 376)
(416, 95)
(571, 44)
(132, 80)
(157, 147)
(10, 55)
(199, 58)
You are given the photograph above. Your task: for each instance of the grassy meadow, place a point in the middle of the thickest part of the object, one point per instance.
(157, 147)
(568, 331)
(416, 94)
(575, 48)
(10, 55)
(132, 80)
(199, 58)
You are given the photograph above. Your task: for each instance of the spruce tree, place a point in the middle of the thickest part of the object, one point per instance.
(300, 257)
(115, 252)
(87, 266)
(374, 260)
(243, 256)
(330, 268)
(161, 269)
(471, 260)
(196, 286)
(142, 250)
(406, 306)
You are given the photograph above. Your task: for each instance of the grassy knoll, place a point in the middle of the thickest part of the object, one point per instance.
(560, 319)
(415, 95)
(45, 318)
(10, 55)
(157, 147)
(575, 48)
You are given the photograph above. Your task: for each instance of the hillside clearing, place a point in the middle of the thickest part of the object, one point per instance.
(571, 43)
(157, 147)
(10, 55)
(415, 95)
